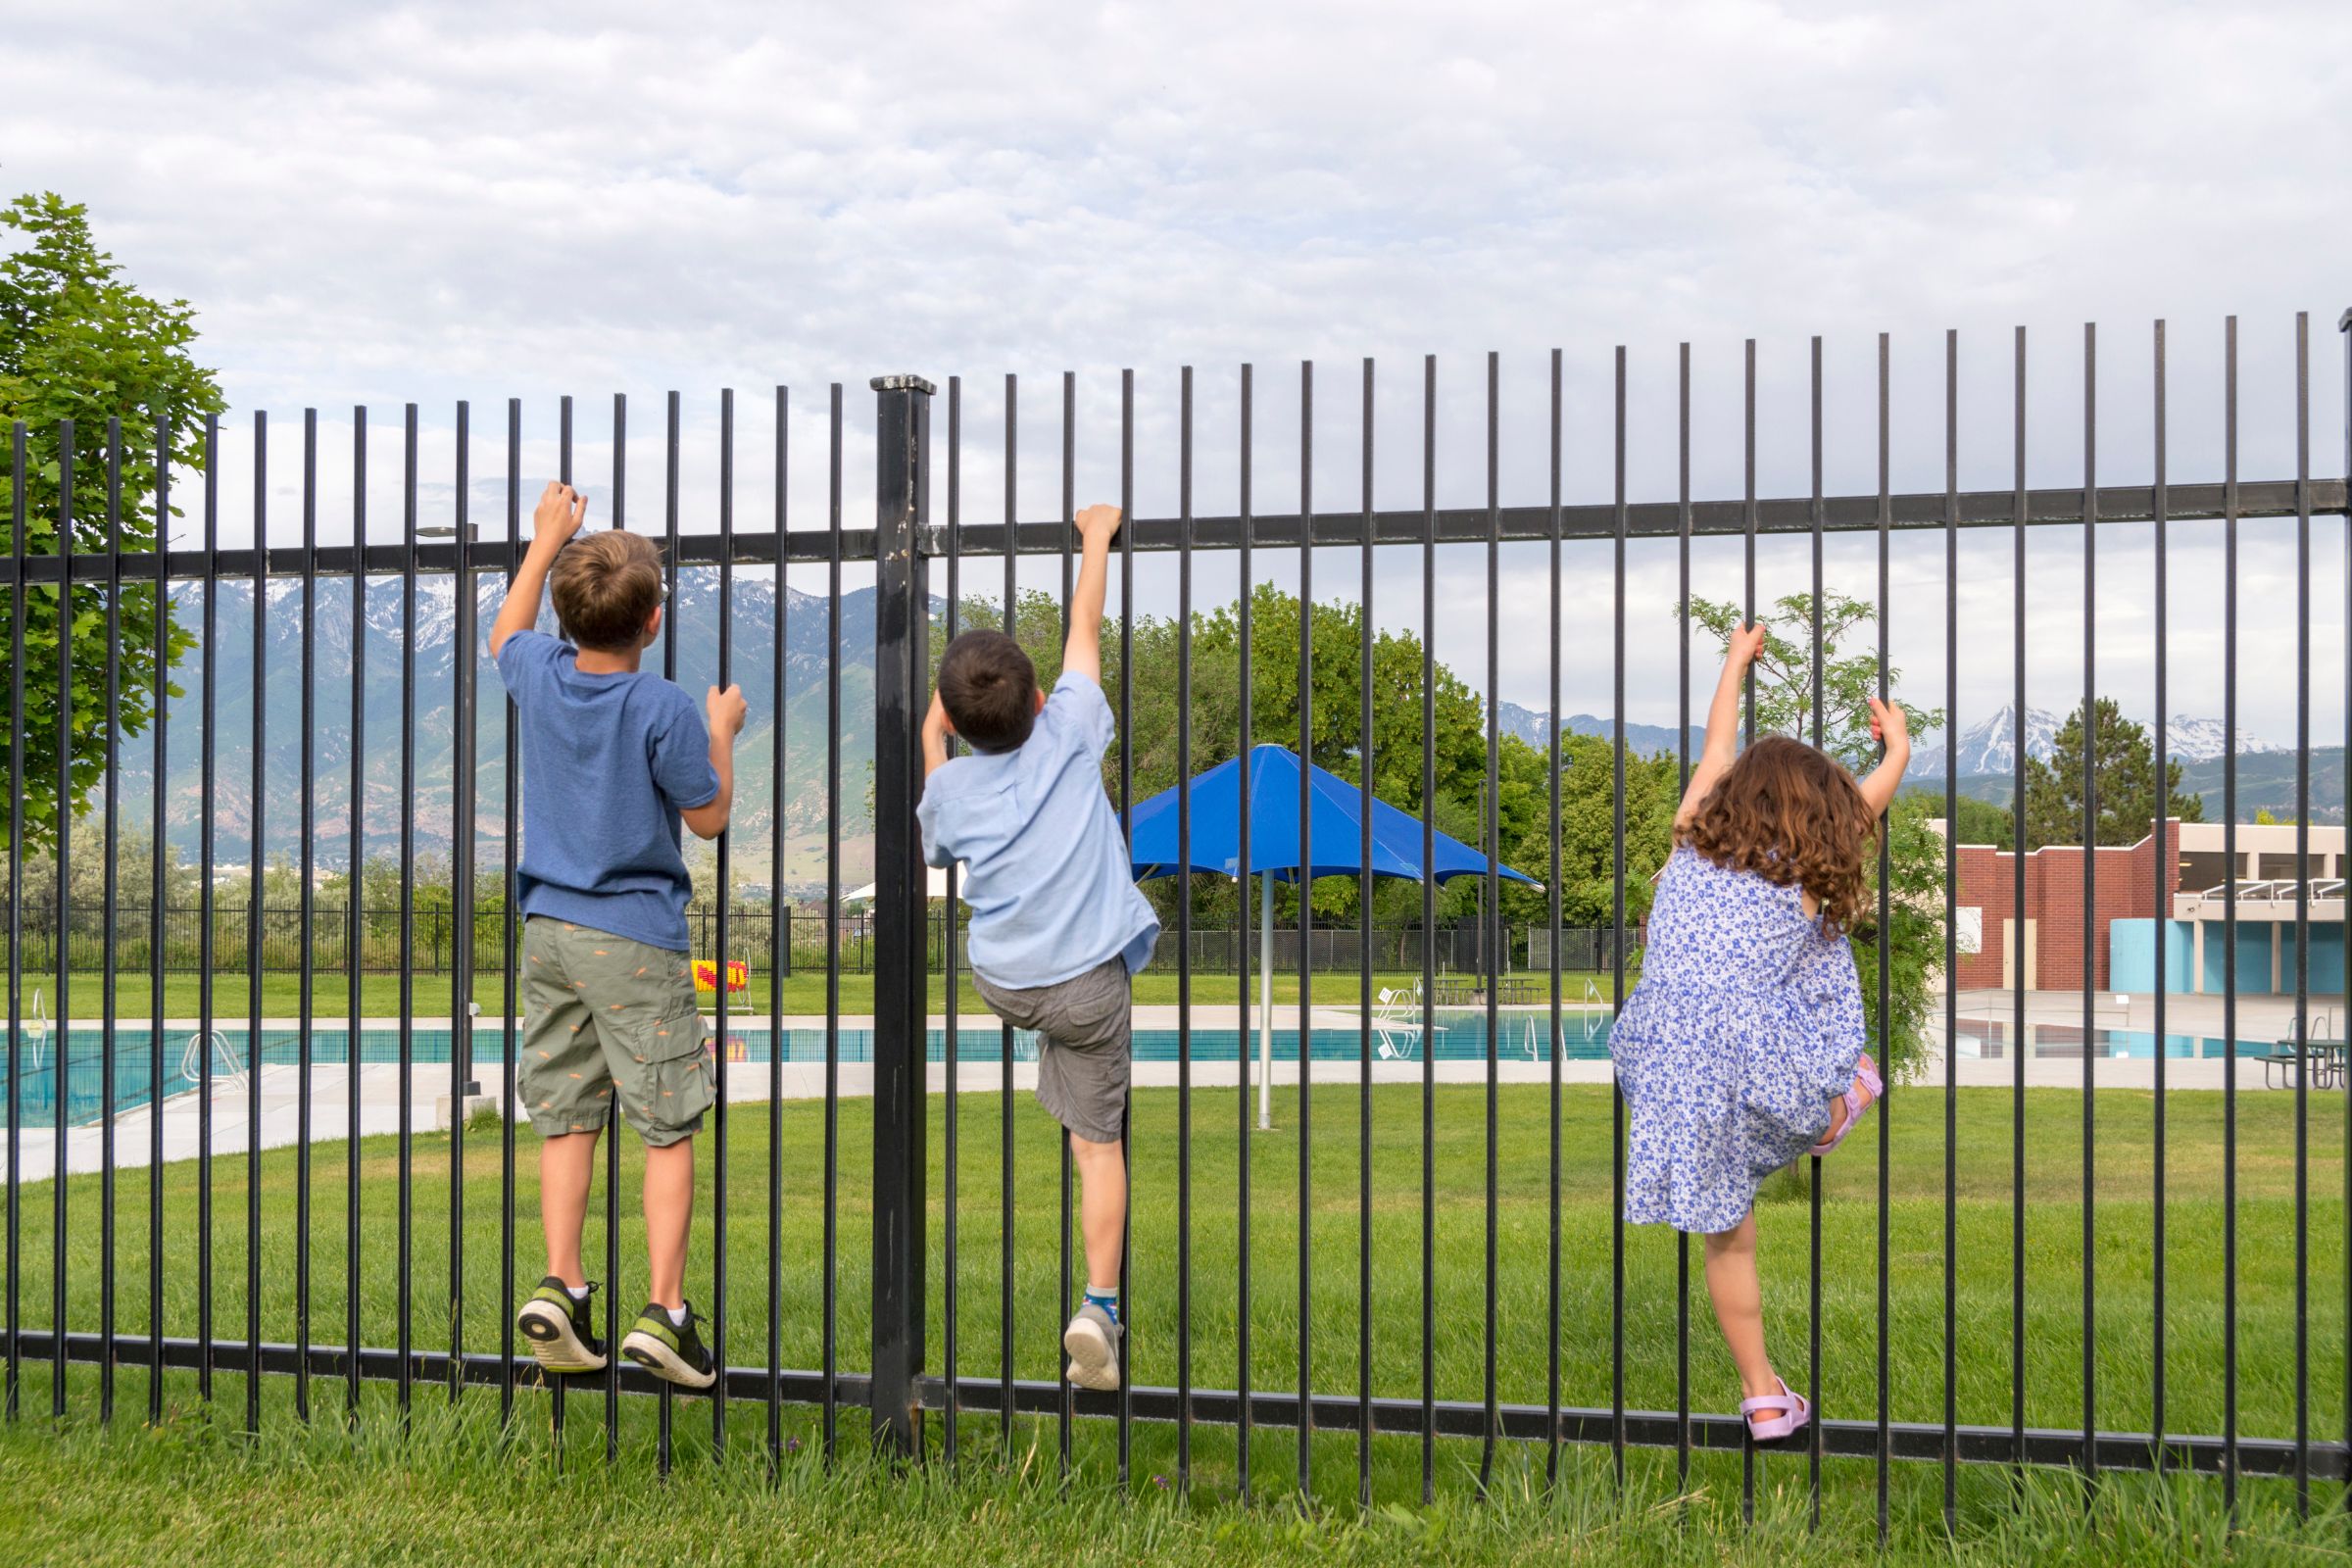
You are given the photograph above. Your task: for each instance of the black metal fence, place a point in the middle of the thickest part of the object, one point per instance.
(1233, 1222)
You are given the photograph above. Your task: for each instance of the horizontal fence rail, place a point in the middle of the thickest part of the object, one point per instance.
(1298, 1274)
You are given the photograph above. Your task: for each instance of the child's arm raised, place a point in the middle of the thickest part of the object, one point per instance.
(559, 517)
(1084, 651)
(1723, 721)
(1891, 726)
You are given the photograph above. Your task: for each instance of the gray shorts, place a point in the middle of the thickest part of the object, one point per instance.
(1083, 1027)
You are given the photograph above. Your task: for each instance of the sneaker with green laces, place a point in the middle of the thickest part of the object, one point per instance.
(672, 1352)
(561, 1328)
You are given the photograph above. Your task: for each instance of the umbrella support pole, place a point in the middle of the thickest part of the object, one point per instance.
(1265, 1004)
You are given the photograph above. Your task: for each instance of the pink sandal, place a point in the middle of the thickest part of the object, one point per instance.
(1865, 1090)
(1794, 1413)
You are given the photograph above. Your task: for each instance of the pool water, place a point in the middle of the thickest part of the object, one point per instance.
(1461, 1038)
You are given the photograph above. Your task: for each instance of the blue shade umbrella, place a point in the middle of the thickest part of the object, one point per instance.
(1334, 840)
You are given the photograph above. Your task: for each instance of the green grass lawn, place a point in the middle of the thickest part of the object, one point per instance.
(2124, 1349)
(804, 993)
(452, 1488)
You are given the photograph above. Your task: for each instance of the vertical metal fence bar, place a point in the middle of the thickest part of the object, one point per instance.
(1551, 1049)
(1681, 782)
(1244, 866)
(953, 1064)
(1617, 541)
(1306, 919)
(1951, 922)
(2343, 326)
(1065, 1405)
(1363, 922)
(61, 1034)
(1748, 521)
(508, 780)
(779, 963)
(666, 1401)
(1005, 1304)
(307, 1003)
(560, 1386)
(1429, 922)
(18, 602)
(408, 898)
(463, 737)
(1126, 1392)
(900, 1159)
(2091, 856)
(1813, 1449)
(106, 949)
(204, 942)
(2231, 879)
(254, 849)
(1184, 936)
(831, 1366)
(157, 797)
(2162, 875)
(2018, 945)
(720, 970)
(2302, 913)
(1886, 937)
(352, 948)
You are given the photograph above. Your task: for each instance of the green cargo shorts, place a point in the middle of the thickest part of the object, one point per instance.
(602, 1013)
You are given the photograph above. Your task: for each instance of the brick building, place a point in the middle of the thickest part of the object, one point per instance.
(2130, 913)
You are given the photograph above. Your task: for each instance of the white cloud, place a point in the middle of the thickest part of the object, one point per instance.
(430, 202)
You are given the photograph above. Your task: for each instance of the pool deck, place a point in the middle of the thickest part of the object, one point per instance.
(2259, 1018)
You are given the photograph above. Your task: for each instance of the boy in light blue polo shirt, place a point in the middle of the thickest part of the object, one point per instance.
(1058, 927)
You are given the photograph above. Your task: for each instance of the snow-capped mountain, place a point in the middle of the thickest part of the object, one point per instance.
(1990, 746)
(2201, 740)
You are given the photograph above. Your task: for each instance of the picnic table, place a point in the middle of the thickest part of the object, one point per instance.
(2323, 1059)
(1470, 991)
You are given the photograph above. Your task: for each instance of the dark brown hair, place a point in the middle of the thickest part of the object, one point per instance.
(988, 689)
(606, 587)
(1794, 816)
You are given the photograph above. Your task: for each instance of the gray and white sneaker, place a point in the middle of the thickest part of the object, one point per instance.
(1093, 1343)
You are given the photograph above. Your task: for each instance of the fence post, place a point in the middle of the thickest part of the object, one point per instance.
(901, 623)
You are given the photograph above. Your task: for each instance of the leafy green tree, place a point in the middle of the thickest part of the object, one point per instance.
(2124, 765)
(77, 342)
(1784, 691)
(1587, 834)
(1977, 821)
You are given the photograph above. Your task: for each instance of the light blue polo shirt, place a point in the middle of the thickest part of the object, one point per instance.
(1045, 866)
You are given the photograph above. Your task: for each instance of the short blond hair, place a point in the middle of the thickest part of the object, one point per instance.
(607, 586)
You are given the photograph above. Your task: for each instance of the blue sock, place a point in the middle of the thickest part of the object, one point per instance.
(1106, 1299)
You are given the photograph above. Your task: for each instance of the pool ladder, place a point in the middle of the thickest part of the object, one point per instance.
(225, 1063)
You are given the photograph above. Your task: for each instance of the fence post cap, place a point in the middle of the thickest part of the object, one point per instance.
(902, 383)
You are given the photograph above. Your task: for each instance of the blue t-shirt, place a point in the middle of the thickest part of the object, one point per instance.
(1046, 867)
(608, 763)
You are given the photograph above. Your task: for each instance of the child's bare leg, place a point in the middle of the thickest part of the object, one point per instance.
(1738, 1299)
(1837, 1116)
(565, 1164)
(668, 1208)
(1102, 1205)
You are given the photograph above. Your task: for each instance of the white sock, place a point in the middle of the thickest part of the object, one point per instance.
(677, 1315)
(578, 1293)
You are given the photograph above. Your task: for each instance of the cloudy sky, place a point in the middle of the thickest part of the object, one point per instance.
(374, 204)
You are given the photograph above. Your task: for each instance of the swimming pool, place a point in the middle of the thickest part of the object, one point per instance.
(1461, 1036)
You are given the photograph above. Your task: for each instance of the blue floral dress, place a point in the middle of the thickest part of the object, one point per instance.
(1746, 1023)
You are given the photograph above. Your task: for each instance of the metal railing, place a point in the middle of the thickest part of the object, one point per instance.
(905, 1375)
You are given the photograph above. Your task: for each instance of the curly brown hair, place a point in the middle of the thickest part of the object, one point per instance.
(1793, 815)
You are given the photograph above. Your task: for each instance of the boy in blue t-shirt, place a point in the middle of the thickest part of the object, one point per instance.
(1058, 929)
(614, 760)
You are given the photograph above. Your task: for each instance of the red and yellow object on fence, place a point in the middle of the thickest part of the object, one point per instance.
(706, 975)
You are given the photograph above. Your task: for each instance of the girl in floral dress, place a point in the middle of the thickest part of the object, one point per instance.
(1741, 1049)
